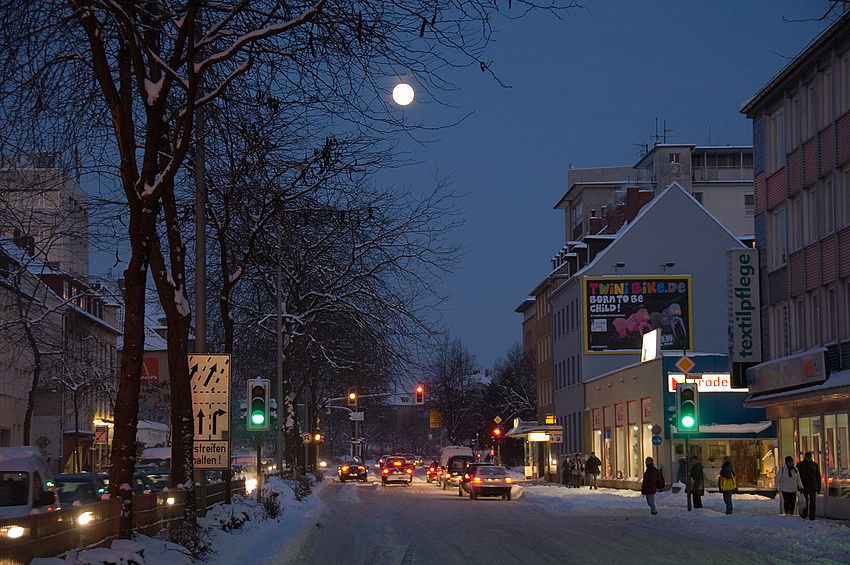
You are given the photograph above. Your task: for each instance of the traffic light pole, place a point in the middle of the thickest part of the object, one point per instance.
(688, 472)
(258, 445)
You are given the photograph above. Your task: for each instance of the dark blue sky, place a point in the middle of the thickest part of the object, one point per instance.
(585, 91)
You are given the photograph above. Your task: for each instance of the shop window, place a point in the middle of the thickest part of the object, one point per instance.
(635, 455)
(836, 466)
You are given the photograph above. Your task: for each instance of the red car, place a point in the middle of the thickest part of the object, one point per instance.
(397, 470)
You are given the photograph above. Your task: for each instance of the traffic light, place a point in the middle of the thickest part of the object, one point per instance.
(317, 437)
(687, 407)
(420, 394)
(497, 433)
(352, 397)
(258, 405)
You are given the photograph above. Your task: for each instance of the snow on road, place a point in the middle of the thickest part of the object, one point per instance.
(755, 524)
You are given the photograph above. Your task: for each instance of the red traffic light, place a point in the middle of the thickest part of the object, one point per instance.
(420, 394)
(497, 432)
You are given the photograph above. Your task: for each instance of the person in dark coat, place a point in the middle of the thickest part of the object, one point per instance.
(649, 486)
(591, 469)
(566, 476)
(697, 481)
(811, 479)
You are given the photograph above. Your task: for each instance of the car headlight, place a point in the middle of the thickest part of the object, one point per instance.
(12, 532)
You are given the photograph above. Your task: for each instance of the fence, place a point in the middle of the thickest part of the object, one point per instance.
(54, 533)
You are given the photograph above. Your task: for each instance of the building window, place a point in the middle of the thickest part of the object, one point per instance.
(775, 142)
(847, 310)
(810, 228)
(808, 117)
(800, 324)
(781, 331)
(827, 207)
(825, 106)
(794, 122)
(844, 198)
(831, 309)
(697, 196)
(749, 204)
(795, 213)
(815, 317)
(843, 87)
(779, 238)
(674, 158)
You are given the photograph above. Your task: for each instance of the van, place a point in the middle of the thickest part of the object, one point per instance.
(25, 482)
(450, 450)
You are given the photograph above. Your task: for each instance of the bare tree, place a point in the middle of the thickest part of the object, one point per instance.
(512, 391)
(454, 389)
(153, 65)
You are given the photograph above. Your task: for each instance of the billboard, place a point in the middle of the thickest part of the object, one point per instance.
(742, 283)
(618, 311)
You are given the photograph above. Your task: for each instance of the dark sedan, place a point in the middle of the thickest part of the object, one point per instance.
(352, 470)
(489, 480)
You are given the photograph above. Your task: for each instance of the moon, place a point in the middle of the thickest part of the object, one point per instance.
(403, 94)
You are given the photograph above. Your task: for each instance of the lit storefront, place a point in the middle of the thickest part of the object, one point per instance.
(812, 410)
(628, 418)
(537, 438)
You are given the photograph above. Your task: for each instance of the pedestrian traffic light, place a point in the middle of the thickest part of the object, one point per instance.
(352, 397)
(687, 407)
(420, 394)
(258, 405)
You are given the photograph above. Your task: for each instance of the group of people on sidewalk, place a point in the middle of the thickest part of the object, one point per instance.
(573, 468)
(805, 478)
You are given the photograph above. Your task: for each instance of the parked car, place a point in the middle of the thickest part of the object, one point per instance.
(455, 467)
(352, 470)
(467, 475)
(84, 487)
(433, 472)
(25, 482)
(141, 481)
(397, 470)
(489, 480)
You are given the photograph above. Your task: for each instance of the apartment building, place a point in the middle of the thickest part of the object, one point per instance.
(801, 145)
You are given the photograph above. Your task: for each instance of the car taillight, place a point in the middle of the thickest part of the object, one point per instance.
(345, 468)
(466, 476)
(409, 471)
(361, 467)
(386, 471)
(477, 480)
(431, 469)
(508, 480)
(396, 463)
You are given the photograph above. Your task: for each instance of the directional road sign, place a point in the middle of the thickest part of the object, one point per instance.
(209, 377)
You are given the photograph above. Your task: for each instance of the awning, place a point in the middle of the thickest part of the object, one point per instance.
(526, 429)
(750, 429)
(837, 384)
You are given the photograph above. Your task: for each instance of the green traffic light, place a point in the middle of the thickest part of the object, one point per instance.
(258, 418)
(688, 421)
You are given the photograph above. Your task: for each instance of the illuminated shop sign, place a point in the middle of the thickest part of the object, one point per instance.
(743, 290)
(706, 382)
(620, 310)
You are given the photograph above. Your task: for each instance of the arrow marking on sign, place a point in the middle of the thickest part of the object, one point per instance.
(215, 416)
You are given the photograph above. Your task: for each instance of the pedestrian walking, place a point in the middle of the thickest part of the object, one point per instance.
(653, 481)
(566, 476)
(591, 469)
(726, 482)
(788, 483)
(577, 470)
(811, 479)
(697, 485)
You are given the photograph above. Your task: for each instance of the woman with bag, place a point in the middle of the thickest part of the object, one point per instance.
(788, 483)
(726, 482)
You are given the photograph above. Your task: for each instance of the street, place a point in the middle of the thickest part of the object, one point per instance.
(423, 524)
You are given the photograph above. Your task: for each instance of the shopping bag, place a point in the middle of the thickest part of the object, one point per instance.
(802, 507)
(781, 500)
